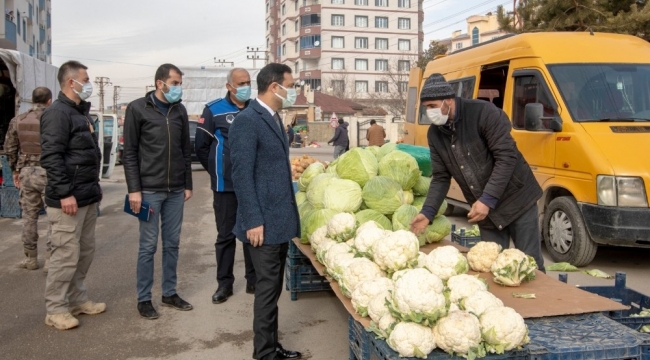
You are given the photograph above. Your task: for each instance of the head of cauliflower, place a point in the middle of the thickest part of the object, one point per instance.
(399, 250)
(418, 297)
(337, 258)
(359, 270)
(367, 225)
(323, 248)
(412, 340)
(503, 329)
(365, 291)
(480, 301)
(377, 307)
(482, 255)
(463, 285)
(459, 333)
(512, 267)
(445, 262)
(317, 238)
(366, 238)
(342, 227)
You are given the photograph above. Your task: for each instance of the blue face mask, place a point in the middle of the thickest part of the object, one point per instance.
(290, 99)
(174, 94)
(243, 93)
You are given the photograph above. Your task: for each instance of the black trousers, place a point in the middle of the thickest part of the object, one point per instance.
(269, 262)
(225, 213)
(525, 234)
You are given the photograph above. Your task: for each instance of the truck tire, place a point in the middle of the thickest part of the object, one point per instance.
(565, 234)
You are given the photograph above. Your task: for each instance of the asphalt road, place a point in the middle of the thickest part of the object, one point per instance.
(315, 324)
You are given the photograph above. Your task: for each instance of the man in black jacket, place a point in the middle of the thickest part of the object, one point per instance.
(470, 141)
(71, 158)
(158, 169)
(340, 140)
(213, 150)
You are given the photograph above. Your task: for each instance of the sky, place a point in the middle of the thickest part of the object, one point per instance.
(127, 40)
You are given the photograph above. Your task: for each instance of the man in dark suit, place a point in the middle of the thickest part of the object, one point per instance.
(267, 216)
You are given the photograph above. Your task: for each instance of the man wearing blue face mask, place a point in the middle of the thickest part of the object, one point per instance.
(158, 169)
(213, 151)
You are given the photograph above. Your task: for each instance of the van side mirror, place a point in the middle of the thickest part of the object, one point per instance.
(535, 120)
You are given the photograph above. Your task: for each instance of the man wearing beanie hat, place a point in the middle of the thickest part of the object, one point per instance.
(470, 141)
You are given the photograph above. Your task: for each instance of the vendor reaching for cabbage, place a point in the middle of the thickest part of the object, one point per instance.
(487, 165)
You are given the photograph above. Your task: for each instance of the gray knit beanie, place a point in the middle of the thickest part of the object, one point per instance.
(436, 88)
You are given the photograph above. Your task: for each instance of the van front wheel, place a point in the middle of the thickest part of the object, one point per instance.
(565, 234)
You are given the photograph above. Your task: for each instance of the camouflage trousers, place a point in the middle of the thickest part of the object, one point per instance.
(32, 194)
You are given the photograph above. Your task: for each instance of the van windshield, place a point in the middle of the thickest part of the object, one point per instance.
(604, 92)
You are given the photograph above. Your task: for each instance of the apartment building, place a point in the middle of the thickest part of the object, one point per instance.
(348, 48)
(480, 28)
(28, 27)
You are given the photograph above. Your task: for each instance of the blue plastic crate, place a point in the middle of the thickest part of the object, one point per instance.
(626, 296)
(590, 336)
(295, 186)
(9, 206)
(294, 252)
(301, 276)
(7, 176)
(461, 239)
(359, 341)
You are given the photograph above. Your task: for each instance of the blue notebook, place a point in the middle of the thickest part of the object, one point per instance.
(145, 210)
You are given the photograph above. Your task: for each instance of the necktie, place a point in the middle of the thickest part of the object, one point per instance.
(277, 120)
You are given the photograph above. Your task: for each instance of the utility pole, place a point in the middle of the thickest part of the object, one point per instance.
(224, 62)
(254, 57)
(102, 81)
(116, 96)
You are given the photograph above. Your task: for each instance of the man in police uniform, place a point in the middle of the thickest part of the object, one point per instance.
(23, 148)
(213, 151)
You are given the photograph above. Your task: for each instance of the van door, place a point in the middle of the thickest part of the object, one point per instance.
(98, 122)
(111, 138)
(412, 101)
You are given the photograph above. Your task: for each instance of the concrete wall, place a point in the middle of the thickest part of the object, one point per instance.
(321, 132)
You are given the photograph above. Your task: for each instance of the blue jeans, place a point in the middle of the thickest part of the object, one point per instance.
(168, 207)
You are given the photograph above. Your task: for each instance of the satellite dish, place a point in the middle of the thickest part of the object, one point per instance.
(316, 43)
(302, 83)
(318, 88)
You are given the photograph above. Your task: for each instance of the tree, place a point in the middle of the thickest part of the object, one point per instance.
(396, 78)
(435, 49)
(621, 16)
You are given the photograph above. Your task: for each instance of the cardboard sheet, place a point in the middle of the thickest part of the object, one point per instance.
(553, 297)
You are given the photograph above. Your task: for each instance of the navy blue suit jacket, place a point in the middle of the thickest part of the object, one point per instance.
(261, 175)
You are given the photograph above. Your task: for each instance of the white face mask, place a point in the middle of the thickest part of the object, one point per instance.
(436, 117)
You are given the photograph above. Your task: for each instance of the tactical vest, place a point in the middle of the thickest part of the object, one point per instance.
(29, 132)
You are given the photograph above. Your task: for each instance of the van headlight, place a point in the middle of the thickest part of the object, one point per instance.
(621, 191)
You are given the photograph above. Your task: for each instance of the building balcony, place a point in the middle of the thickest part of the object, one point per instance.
(313, 53)
(311, 9)
(310, 30)
(310, 74)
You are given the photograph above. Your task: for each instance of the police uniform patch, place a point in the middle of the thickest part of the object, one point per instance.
(230, 118)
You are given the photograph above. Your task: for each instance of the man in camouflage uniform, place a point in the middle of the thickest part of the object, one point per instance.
(23, 148)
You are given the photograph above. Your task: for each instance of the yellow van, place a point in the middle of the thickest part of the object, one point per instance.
(580, 110)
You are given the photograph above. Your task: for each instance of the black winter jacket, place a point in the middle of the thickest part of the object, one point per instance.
(340, 135)
(70, 153)
(481, 155)
(157, 148)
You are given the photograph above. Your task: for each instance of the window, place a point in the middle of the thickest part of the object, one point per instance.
(404, 65)
(381, 44)
(465, 88)
(381, 22)
(528, 89)
(360, 43)
(284, 29)
(338, 64)
(284, 49)
(361, 2)
(381, 65)
(267, 7)
(297, 68)
(361, 21)
(284, 9)
(268, 43)
(338, 86)
(296, 46)
(381, 86)
(382, 3)
(18, 21)
(411, 108)
(309, 42)
(338, 20)
(338, 2)
(404, 23)
(402, 86)
(361, 86)
(338, 42)
(404, 3)
(297, 25)
(267, 25)
(475, 38)
(459, 46)
(361, 64)
(310, 20)
(296, 6)
(403, 45)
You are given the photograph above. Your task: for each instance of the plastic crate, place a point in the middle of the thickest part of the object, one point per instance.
(626, 296)
(359, 341)
(295, 186)
(7, 176)
(294, 252)
(461, 239)
(301, 276)
(590, 336)
(9, 206)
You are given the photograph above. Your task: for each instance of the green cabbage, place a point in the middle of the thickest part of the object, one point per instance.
(373, 149)
(313, 220)
(403, 216)
(301, 197)
(385, 149)
(418, 202)
(310, 172)
(342, 195)
(408, 197)
(439, 228)
(364, 216)
(443, 208)
(400, 167)
(316, 190)
(331, 168)
(421, 187)
(357, 165)
(304, 208)
(383, 194)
